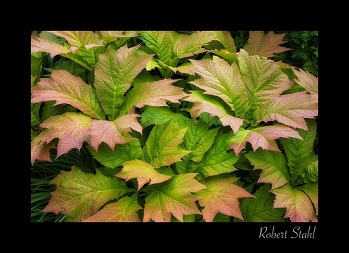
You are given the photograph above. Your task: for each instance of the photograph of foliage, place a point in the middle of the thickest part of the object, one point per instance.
(174, 126)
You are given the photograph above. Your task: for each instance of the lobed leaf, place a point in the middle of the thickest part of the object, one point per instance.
(172, 197)
(65, 88)
(221, 195)
(143, 172)
(79, 195)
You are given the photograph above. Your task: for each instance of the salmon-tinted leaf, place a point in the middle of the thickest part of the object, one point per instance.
(265, 44)
(143, 171)
(40, 149)
(174, 196)
(123, 210)
(263, 137)
(221, 195)
(68, 89)
(39, 44)
(289, 109)
(77, 39)
(299, 207)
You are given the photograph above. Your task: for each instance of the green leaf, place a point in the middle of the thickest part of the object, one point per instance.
(79, 195)
(35, 118)
(172, 197)
(114, 73)
(312, 190)
(300, 154)
(160, 115)
(218, 159)
(273, 166)
(123, 210)
(260, 208)
(162, 147)
(120, 154)
(198, 139)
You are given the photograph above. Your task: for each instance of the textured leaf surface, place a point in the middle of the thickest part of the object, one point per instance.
(123, 210)
(226, 39)
(162, 146)
(263, 137)
(152, 93)
(114, 73)
(160, 115)
(43, 45)
(289, 109)
(223, 80)
(218, 159)
(221, 195)
(273, 166)
(209, 104)
(68, 89)
(198, 139)
(173, 197)
(260, 208)
(120, 154)
(266, 45)
(112, 132)
(298, 205)
(143, 172)
(311, 190)
(262, 78)
(78, 39)
(40, 149)
(188, 45)
(72, 129)
(300, 153)
(307, 80)
(79, 195)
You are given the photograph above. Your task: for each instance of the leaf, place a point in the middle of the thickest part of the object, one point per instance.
(298, 205)
(123, 210)
(188, 45)
(198, 139)
(162, 146)
(266, 45)
(223, 80)
(72, 129)
(260, 208)
(117, 156)
(160, 115)
(289, 109)
(113, 132)
(40, 149)
(221, 195)
(273, 166)
(226, 39)
(79, 195)
(218, 159)
(173, 196)
(68, 89)
(263, 78)
(153, 94)
(263, 137)
(311, 190)
(77, 39)
(306, 80)
(300, 154)
(35, 118)
(143, 171)
(209, 104)
(114, 74)
(162, 43)
(43, 45)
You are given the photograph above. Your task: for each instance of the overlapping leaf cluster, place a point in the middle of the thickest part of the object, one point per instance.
(173, 120)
